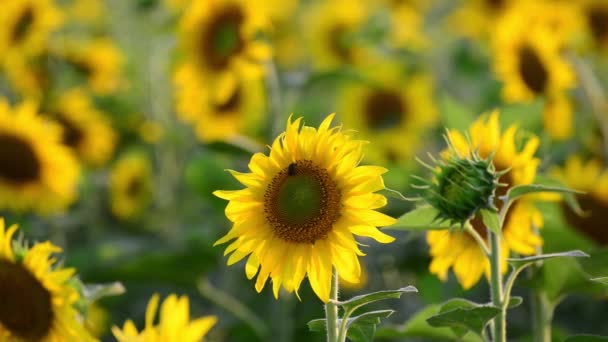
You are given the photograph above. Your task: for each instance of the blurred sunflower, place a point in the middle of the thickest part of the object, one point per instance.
(595, 13)
(26, 26)
(591, 178)
(477, 18)
(85, 129)
(131, 186)
(406, 24)
(301, 208)
(28, 77)
(389, 107)
(527, 60)
(219, 38)
(174, 323)
(214, 119)
(457, 249)
(85, 11)
(37, 172)
(98, 60)
(332, 29)
(37, 301)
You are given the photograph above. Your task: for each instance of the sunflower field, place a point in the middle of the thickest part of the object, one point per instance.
(303, 170)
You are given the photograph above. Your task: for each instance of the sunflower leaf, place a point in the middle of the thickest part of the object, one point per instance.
(601, 280)
(569, 254)
(521, 190)
(93, 292)
(317, 325)
(362, 328)
(421, 219)
(358, 301)
(586, 338)
(491, 221)
(462, 316)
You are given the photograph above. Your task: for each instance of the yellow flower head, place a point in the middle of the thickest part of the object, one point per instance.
(37, 172)
(37, 302)
(219, 37)
(457, 249)
(302, 207)
(595, 16)
(174, 323)
(477, 18)
(131, 186)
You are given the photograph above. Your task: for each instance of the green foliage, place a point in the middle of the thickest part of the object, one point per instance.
(462, 316)
(491, 221)
(359, 301)
(420, 219)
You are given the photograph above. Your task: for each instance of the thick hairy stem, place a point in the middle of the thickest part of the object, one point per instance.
(331, 309)
(499, 326)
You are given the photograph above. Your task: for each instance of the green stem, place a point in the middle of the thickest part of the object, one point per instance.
(331, 309)
(542, 310)
(499, 327)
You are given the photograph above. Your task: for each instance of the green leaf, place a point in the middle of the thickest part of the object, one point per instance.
(455, 115)
(462, 315)
(521, 190)
(601, 280)
(515, 301)
(367, 298)
(568, 254)
(569, 198)
(586, 338)
(93, 292)
(317, 325)
(420, 219)
(362, 328)
(491, 221)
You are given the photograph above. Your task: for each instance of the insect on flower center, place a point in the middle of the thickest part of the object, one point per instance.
(25, 305)
(597, 18)
(19, 163)
(532, 70)
(23, 25)
(384, 110)
(222, 39)
(302, 203)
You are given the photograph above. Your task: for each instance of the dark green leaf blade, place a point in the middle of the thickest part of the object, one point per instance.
(420, 219)
(367, 298)
(362, 328)
(462, 315)
(491, 221)
(568, 254)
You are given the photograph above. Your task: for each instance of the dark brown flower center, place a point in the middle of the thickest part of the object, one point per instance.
(532, 70)
(135, 187)
(597, 17)
(222, 39)
(302, 203)
(25, 305)
(495, 4)
(72, 134)
(593, 224)
(23, 25)
(384, 110)
(19, 163)
(339, 43)
(231, 104)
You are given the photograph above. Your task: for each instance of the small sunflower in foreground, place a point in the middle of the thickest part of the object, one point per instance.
(302, 207)
(591, 178)
(219, 37)
(37, 172)
(174, 323)
(457, 249)
(26, 27)
(85, 129)
(131, 186)
(389, 107)
(36, 300)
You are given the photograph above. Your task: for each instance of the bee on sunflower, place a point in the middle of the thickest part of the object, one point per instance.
(37, 171)
(302, 207)
(37, 300)
(387, 107)
(131, 186)
(174, 323)
(457, 249)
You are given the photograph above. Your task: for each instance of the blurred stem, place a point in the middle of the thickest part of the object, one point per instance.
(499, 328)
(273, 89)
(331, 309)
(542, 310)
(234, 306)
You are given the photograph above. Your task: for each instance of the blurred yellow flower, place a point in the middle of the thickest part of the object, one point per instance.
(37, 301)
(388, 107)
(595, 16)
(151, 131)
(174, 323)
(86, 11)
(131, 186)
(406, 24)
(37, 172)
(477, 18)
(28, 77)
(301, 208)
(457, 249)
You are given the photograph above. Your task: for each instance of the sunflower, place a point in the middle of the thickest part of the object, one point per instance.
(301, 208)
(332, 29)
(85, 129)
(174, 323)
(37, 172)
(527, 60)
(457, 249)
(213, 119)
(26, 26)
(37, 302)
(85, 11)
(389, 107)
(406, 23)
(219, 38)
(595, 16)
(28, 77)
(592, 179)
(131, 186)
(477, 18)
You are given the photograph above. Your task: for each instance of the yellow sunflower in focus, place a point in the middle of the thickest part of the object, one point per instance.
(591, 178)
(331, 32)
(26, 27)
(174, 323)
(528, 60)
(219, 38)
(216, 119)
(457, 249)
(302, 207)
(389, 107)
(85, 129)
(407, 21)
(37, 172)
(131, 186)
(37, 302)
